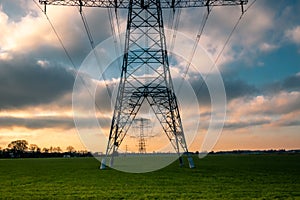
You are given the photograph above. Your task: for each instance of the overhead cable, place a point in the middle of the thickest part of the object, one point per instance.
(224, 46)
(197, 39)
(90, 37)
(67, 53)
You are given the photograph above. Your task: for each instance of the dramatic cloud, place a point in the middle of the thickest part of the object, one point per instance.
(30, 30)
(245, 124)
(234, 89)
(252, 31)
(26, 33)
(47, 122)
(27, 83)
(239, 88)
(275, 106)
(290, 119)
(37, 123)
(290, 83)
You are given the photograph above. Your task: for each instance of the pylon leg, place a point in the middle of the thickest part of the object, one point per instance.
(191, 162)
(103, 162)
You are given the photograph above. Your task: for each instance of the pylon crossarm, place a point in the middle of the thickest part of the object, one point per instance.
(125, 3)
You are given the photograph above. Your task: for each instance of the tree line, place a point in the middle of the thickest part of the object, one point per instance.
(22, 149)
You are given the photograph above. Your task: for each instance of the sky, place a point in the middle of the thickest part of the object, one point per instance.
(260, 67)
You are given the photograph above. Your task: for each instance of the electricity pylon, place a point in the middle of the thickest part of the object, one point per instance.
(145, 75)
(141, 124)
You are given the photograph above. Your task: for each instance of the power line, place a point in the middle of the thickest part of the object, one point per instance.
(118, 27)
(175, 25)
(171, 22)
(66, 52)
(115, 33)
(87, 28)
(56, 34)
(198, 37)
(90, 37)
(171, 18)
(224, 46)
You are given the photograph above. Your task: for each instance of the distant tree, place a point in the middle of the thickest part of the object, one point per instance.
(70, 149)
(34, 148)
(18, 145)
(45, 150)
(83, 151)
(58, 149)
(51, 149)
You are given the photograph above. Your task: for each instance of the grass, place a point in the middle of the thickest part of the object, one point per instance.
(216, 177)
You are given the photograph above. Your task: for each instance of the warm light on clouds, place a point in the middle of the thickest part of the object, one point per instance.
(5, 56)
(260, 107)
(24, 34)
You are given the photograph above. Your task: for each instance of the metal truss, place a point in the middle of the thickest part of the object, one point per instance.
(141, 124)
(145, 76)
(126, 3)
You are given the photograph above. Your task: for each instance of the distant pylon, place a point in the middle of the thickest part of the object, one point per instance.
(142, 124)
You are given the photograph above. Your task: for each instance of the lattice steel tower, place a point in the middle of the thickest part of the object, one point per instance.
(145, 75)
(141, 124)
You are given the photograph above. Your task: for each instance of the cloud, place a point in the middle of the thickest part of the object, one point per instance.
(245, 124)
(250, 106)
(292, 82)
(30, 30)
(60, 122)
(280, 110)
(289, 84)
(273, 106)
(266, 47)
(261, 30)
(28, 33)
(26, 83)
(238, 88)
(234, 89)
(16, 9)
(291, 122)
(5, 56)
(293, 34)
(37, 123)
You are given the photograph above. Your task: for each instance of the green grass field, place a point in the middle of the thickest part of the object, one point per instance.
(216, 177)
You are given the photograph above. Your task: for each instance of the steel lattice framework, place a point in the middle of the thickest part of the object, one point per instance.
(126, 3)
(145, 75)
(141, 124)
